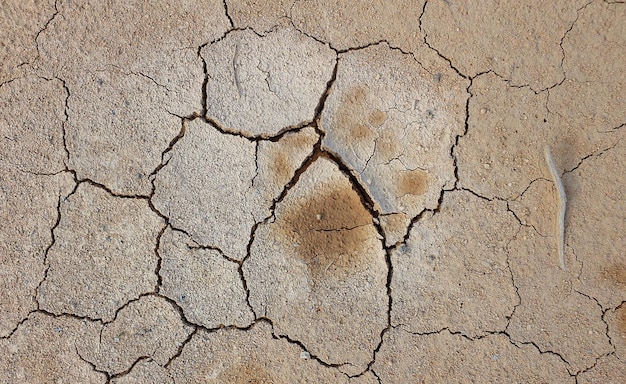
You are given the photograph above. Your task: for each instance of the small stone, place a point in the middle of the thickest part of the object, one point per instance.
(304, 355)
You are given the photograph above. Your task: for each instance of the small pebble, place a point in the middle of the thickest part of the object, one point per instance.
(305, 355)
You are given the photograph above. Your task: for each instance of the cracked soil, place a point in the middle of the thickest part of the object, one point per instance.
(320, 191)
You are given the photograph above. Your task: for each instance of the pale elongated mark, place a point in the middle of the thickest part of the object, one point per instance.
(562, 202)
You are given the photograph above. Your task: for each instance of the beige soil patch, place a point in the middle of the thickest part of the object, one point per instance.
(321, 191)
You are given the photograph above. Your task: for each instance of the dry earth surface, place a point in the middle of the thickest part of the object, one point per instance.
(311, 191)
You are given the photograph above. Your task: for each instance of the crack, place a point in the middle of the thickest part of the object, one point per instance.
(67, 118)
(141, 74)
(50, 314)
(18, 325)
(289, 17)
(614, 129)
(66, 314)
(205, 82)
(157, 268)
(517, 293)
(317, 116)
(521, 194)
(541, 351)
(562, 64)
(509, 82)
(230, 20)
(376, 376)
(519, 220)
(9, 81)
(416, 219)
(93, 366)
(127, 371)
(453, 148)
(440, 331)
(45, 27)
(181, 347)
(251, 137)
(370, 365)
(302, 346)
(104, 188)
(170, 146)
(604, 312)
(425, 40)
(47, 250)
(595, 364)
(596, 153)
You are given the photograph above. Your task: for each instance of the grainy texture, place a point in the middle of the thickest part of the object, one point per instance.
(205, 188)
(596, 212)
(445, 357)
(453, 271)
(352, 23)
(103, 255)
(149, 328)
(259, 85)
(393, 121)
(252, 356)
(289, 191)
(145, 371)
(202, 282)
(608, 370)
(318, 271)
(31, 125)
(129, 68)
(31, 186)
(525, 48)
(22, 263)
(551, 313)
(18, 34)
(44, 349)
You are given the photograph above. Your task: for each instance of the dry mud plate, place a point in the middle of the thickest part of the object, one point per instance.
(294, 191)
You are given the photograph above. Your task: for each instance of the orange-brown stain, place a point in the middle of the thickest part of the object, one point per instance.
(248, 372)
(412, 182)
(360, 131)
(354, 120)
(387, 146)
(356, 96)
(329, 231)
(283, 152)
(616, 275)
(281, 166)
(377, 118)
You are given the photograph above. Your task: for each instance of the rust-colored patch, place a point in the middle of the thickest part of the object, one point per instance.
(249, 372)
(329, 231)
(356, 96)
(351, 120)
(616, 274)
(378, 117)
(387, 145)
(282, 154)
(360, 131)
(281, 166)
(412, 182)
